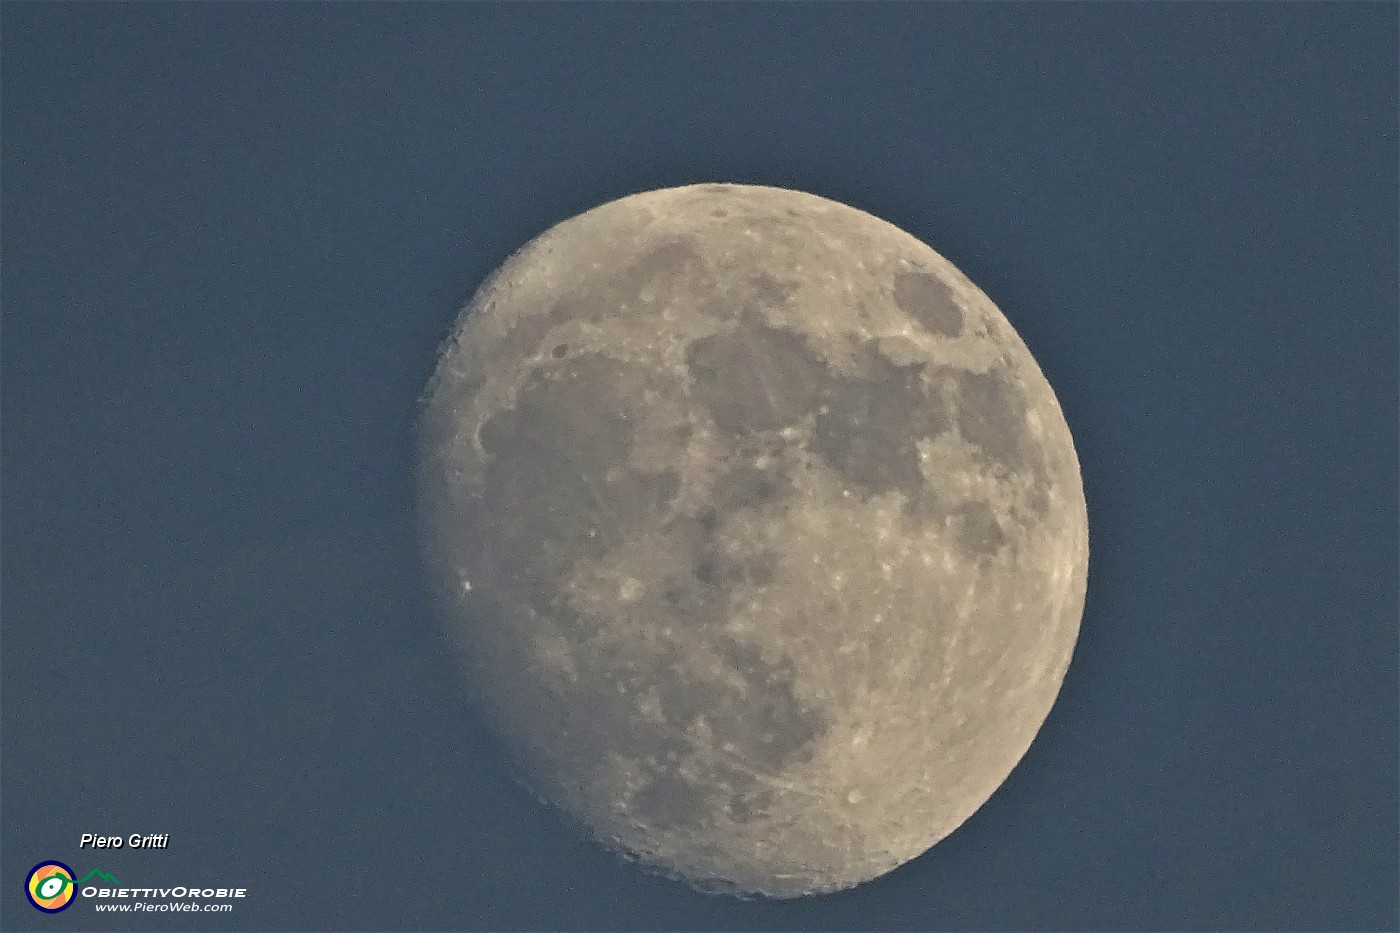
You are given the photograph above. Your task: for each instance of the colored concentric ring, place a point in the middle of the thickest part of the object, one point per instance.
(50, 887)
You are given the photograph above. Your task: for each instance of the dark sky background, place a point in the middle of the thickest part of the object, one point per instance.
(234, 235)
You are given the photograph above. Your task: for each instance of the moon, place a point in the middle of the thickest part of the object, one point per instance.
(761, 531)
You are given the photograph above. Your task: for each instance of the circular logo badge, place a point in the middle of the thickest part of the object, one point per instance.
(49, 886)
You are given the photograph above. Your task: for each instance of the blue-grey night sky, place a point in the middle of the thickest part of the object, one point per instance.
(233, 237)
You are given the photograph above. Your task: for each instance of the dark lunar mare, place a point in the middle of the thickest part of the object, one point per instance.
(558, 495)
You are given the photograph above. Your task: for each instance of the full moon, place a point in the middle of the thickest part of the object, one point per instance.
(762, 533)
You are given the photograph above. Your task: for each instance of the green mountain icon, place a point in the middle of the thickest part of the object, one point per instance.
(100, 874)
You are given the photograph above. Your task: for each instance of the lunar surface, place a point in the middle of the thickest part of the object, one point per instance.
(761, 530)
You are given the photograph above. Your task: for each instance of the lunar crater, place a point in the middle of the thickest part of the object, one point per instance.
(927, 299)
